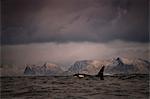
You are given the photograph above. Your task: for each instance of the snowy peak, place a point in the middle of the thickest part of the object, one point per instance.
(118, 61)
(28, 71)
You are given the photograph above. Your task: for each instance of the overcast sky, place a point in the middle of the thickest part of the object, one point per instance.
(63, 31)
(34, 21)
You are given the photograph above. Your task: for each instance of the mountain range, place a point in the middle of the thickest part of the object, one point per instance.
(114, 66)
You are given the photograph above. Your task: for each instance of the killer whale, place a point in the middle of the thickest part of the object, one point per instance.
(100, 74)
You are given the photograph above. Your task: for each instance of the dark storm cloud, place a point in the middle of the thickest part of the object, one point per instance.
(31, 21)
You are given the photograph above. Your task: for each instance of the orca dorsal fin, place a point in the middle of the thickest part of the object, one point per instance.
(100, 73)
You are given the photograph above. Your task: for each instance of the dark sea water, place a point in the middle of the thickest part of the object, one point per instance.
(69, 87)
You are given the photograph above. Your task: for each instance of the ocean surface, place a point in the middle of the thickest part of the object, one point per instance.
(135, 86)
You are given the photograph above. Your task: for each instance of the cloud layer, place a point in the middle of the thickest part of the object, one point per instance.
(65, 54)
(74, 20)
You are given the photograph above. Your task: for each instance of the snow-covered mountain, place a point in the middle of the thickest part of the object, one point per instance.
(46, 69)
(128, 66)
(87, 66)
